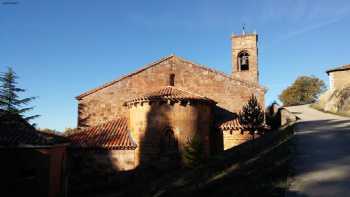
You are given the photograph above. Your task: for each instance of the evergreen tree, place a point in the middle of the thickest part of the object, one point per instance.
(251, 116)
(10, 102)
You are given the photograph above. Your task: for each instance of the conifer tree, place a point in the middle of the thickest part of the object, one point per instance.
(251, 116)
(10, 101)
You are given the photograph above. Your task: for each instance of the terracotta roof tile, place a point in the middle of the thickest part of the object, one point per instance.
(22, 137)
(110, 135)
(235, 125)
(339, 68)
(169, 93)
(231, 125)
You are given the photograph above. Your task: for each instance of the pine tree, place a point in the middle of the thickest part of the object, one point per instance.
(10, 102)
(251, 116)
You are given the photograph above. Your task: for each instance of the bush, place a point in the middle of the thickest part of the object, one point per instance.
(304, 90)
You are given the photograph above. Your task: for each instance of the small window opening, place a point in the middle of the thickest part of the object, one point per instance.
(168, 143)
(172, 80)
(243, 61)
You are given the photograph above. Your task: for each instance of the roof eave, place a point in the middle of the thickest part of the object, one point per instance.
(336, 70)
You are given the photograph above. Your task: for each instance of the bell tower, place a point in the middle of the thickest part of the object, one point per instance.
(245, 57)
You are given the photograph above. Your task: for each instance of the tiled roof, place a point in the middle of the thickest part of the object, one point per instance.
(15, 131)
(339, 68)
(110, 135)
(245, 83)
(54, 137)
(169, 93)
(22, 137)
(231, 125)
(235, 125)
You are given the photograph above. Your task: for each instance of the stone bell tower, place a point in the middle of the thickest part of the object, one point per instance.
(245, 57)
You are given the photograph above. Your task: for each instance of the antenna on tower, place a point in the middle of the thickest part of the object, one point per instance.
(243, 29)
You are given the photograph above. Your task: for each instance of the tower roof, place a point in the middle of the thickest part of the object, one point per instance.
(169, 93)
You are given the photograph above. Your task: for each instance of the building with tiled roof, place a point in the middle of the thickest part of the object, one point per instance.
(167, 103)
(31, 163)
(16, 132)
(339, 77)
(171, 94)
(112, 135)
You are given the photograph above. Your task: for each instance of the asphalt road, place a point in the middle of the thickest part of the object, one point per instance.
(322, 161)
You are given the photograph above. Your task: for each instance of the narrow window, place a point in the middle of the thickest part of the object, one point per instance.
(243, 61)
(168, 142)
(172, 80)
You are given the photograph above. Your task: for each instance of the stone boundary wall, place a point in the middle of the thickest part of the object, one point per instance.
(91, 169)
(235, 138)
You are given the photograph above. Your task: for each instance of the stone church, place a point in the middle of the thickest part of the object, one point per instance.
(152, 113)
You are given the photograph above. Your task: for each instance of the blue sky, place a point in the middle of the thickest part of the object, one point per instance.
(62, 48)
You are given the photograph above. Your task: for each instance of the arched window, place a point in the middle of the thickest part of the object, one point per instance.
(243, 61)
(172, 80)
(168, 142)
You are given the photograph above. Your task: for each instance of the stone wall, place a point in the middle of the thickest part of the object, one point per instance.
(107, 103)
(339, 79)
(149, 121)
(235, 138)
(246, 43)
(92, 169)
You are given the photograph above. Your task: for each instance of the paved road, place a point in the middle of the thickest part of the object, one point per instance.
(322, 162)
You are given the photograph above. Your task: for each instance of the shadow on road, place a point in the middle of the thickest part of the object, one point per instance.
(322, 161)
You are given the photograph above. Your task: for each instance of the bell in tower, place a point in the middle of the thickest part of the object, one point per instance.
(243, 61)
(245, 57)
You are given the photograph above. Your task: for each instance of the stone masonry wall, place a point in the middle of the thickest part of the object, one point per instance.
(149, 121)
(95, 169)
(340, 79)
(246, 43)
(235, 138)
(107, 103)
